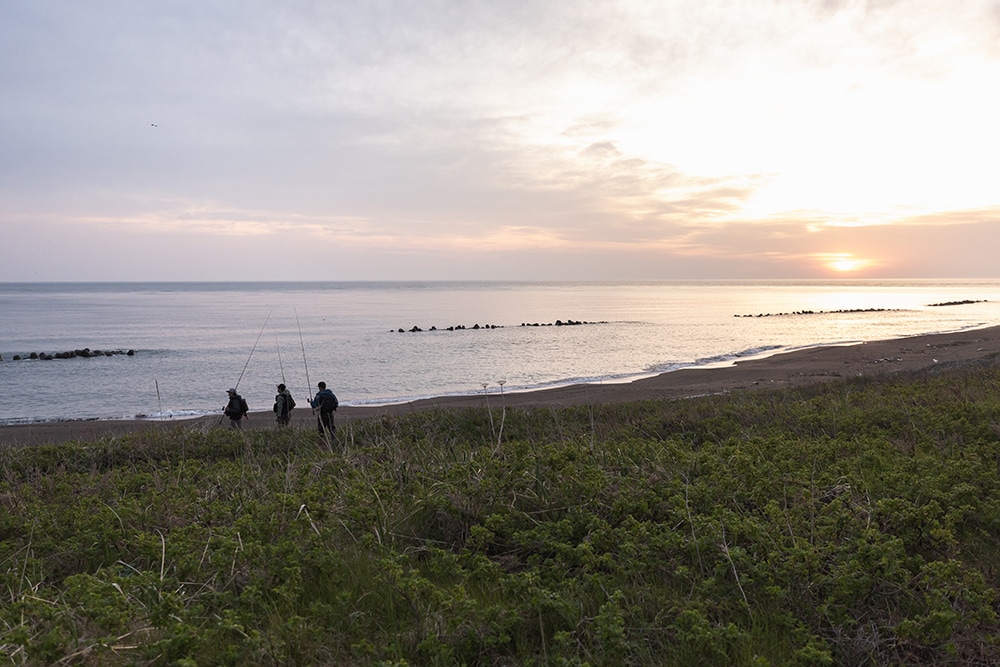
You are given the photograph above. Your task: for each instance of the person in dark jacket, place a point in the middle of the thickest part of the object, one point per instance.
(326, 402)
(283, 404)
(236, 409)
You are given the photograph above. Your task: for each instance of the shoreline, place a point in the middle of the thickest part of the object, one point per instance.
(799, 367)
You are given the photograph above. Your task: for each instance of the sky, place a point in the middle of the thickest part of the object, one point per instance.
(499, 139)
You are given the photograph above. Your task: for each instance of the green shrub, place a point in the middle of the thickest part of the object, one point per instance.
(845, 523)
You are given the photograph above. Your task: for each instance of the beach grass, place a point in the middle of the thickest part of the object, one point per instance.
(847, 523)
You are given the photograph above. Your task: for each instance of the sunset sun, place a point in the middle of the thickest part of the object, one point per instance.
(845, 262)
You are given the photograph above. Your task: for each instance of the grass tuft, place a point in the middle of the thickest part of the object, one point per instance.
(844, 523)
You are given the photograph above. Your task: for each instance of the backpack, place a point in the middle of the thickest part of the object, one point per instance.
(243, 406)
(329, 403)
(290, 401)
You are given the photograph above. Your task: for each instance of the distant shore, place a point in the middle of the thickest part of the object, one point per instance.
(810, 365)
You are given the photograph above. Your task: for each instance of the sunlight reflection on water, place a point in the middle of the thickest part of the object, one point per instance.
(195, 340)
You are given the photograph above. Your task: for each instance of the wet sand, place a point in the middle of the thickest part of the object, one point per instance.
(819, 364)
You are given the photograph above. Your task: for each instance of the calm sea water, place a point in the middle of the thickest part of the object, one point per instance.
(195, 340)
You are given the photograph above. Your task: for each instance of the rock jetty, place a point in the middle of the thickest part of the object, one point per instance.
(955, 303)
(822, 312)
(476, 327)
(85, 353)
(559, 323)
(458, 327)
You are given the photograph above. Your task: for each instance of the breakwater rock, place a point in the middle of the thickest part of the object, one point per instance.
(477, 327)
(823, 312)
(458, 327)
(559, 323)
(955, 303)
(85, 353)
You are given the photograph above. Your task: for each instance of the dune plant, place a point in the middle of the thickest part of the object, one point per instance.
(851, 523)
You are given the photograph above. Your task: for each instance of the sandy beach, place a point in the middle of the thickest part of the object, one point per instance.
(818, 364)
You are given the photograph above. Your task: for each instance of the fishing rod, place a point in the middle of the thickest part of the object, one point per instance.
(327, 436)
(280, 365)
(240, 378)
(237, 386)
(304, 362)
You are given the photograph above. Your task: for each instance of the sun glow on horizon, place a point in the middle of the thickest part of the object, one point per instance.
(844, 262)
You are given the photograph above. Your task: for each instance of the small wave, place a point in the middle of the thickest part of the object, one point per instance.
(156, 416)
(173, 414)
(38, 421)
(495, 390)
(611, 378)
(716, 360)
(29, 421)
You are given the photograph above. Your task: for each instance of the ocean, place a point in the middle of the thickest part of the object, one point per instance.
(192, 341)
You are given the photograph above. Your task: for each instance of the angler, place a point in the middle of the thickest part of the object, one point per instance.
(283, 404)
(236, 409)
(326, 402)
(230, 408)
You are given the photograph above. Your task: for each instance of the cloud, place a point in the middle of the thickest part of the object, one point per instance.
(428, 130)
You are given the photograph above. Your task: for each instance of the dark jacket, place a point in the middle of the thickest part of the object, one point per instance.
(283, 405)
(325, 400)
(236, 408)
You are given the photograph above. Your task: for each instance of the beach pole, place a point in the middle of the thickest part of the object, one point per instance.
(159, 403)
(503, 413)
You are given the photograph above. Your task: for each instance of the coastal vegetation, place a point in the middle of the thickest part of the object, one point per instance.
(847, 523)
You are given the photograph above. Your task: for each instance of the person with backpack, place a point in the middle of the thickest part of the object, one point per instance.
(326, 402)
(236, 409)
(283, 404)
